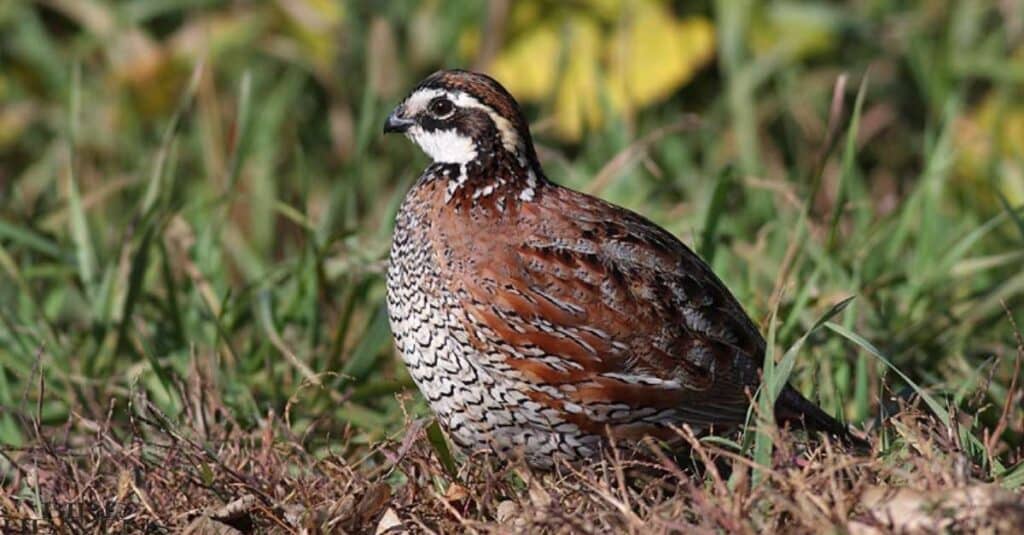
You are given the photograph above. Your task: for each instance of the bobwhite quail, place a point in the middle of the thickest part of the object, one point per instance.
(537, 320)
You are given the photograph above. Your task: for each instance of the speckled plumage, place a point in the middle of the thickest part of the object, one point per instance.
(536, 319)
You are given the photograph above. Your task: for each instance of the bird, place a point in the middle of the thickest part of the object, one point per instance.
(543, 322)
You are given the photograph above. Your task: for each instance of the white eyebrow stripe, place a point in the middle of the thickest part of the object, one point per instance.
(417, 102)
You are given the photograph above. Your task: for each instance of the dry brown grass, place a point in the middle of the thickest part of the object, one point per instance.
(203, 475)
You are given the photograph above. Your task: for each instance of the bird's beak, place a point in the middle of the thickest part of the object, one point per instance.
(397, 123)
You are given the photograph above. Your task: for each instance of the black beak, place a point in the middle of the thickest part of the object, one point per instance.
(397, 123)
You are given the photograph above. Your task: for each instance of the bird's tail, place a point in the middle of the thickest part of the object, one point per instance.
(794, 409)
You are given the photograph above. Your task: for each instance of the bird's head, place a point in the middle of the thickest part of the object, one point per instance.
(462, 117)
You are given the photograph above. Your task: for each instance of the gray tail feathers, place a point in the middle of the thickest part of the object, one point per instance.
(793, 409)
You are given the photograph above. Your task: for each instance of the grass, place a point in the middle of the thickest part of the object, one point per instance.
(195, 211)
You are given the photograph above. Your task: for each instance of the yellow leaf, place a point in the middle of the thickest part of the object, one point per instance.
(587, 57)
(469, 42)
(993, 133)
(607, 9)
(526, 15)
(654, 54)
(577, 102)
(795, 30)
(528, 67)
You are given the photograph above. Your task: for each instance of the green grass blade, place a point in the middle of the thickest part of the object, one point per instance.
(932, 403)
(136, 277)
(781, 373)
(1014, 213)
(375, 337)
(243, 120)
(79, 227)
(440, 445)
(766, 398)
(715, 210)
(26, 237)
(156, 177)
(849, 162)
(1014, 478)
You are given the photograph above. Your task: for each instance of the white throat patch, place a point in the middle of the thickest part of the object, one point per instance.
(444, 146)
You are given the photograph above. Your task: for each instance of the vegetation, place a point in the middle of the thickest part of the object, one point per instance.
(195, 211)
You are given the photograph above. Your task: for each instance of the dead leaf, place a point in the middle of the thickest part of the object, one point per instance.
(389, 522)
(508, 511)
(456, 493)
(908, 510)
(232, 519)
(375, 499)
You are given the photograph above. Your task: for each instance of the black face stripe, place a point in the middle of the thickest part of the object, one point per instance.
(431, 124)
(470, 122)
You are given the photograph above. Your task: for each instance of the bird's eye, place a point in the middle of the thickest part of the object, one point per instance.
(441, 107)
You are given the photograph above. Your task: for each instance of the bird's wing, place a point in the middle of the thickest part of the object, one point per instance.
(607, 307)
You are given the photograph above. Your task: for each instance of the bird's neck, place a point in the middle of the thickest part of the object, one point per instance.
(494, 178)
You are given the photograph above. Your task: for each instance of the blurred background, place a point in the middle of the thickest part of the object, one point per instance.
(196, 192)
